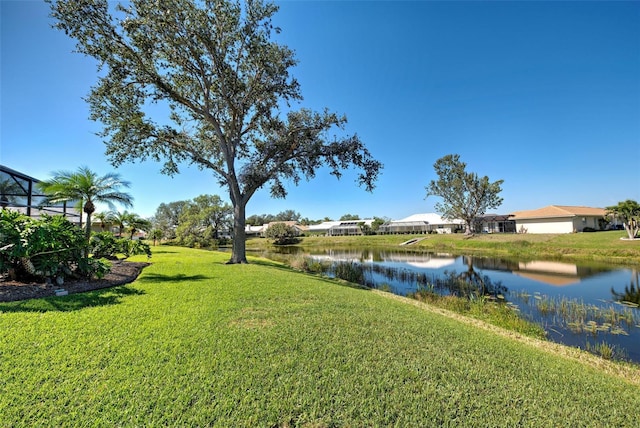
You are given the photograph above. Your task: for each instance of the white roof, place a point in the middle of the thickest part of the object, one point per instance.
(326, 225)
(430, 218)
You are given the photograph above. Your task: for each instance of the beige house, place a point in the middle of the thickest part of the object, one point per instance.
(558, 219)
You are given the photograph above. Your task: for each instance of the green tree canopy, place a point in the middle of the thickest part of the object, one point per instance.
(465, 195)
(86, 188)
(202, 220)
(628, 212)
(227, 86)
(167, 217)
(281, 233)
(286, 215)
(347, 217)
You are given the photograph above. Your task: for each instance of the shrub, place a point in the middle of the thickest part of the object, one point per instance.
(50, 247)
(107, 245)
(282, 234)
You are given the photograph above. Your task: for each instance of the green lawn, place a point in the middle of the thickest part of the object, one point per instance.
(195, 342)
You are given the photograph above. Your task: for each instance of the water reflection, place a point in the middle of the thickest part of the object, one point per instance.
(471, 283)
(631, 292)
(574, 303)
(547, 272)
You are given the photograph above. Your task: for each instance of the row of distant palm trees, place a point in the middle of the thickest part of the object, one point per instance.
(125, 221)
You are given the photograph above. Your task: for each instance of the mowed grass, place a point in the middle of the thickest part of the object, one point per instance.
(195, 342)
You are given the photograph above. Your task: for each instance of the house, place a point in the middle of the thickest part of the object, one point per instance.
(494, 223)
(322, 228)
(18, 192)
(559, 219)
(341, 227)
(422, 223)
(349, 227)
(250, 230)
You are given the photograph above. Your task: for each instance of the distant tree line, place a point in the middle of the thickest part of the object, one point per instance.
(203, 222)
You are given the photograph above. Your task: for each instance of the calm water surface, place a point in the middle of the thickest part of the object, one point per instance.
(603, 299)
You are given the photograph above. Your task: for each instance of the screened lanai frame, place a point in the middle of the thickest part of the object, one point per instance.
(405, 227)
(18, 192)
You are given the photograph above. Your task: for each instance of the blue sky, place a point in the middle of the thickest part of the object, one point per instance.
(544, 95)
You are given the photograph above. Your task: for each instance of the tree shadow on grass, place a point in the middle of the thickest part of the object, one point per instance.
(270, 263)
(180, 277)
(72, 302)
(158, 250)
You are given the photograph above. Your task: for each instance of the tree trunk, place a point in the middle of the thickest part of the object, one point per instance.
(467, 228)
(89, 209)
(239, 253)
(88, 226)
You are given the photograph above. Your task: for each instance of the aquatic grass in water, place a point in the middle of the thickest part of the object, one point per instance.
(494, 311)
(579, 317)
(605, 350)
(349, 271)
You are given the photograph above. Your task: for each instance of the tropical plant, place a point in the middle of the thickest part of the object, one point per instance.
(121, 219)
(136, 223)
(85, 188)
(628, 212)
(105, 218)
(465, 195)
(226, 82)
(50, 247)
(107, 245)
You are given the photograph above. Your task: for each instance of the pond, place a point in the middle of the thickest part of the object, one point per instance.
(578, 305)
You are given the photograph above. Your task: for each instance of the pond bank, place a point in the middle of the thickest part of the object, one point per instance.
(604, 247)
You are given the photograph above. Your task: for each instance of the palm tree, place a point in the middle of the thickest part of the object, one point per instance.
(136, 223)
(86, 188)
(130, 222)
(629, 213)
(121, 219)
(105, 218)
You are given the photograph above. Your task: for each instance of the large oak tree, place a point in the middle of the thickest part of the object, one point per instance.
(227, 84)
(465, 195)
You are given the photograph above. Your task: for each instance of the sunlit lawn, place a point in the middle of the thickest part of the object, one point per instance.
(195, 342)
